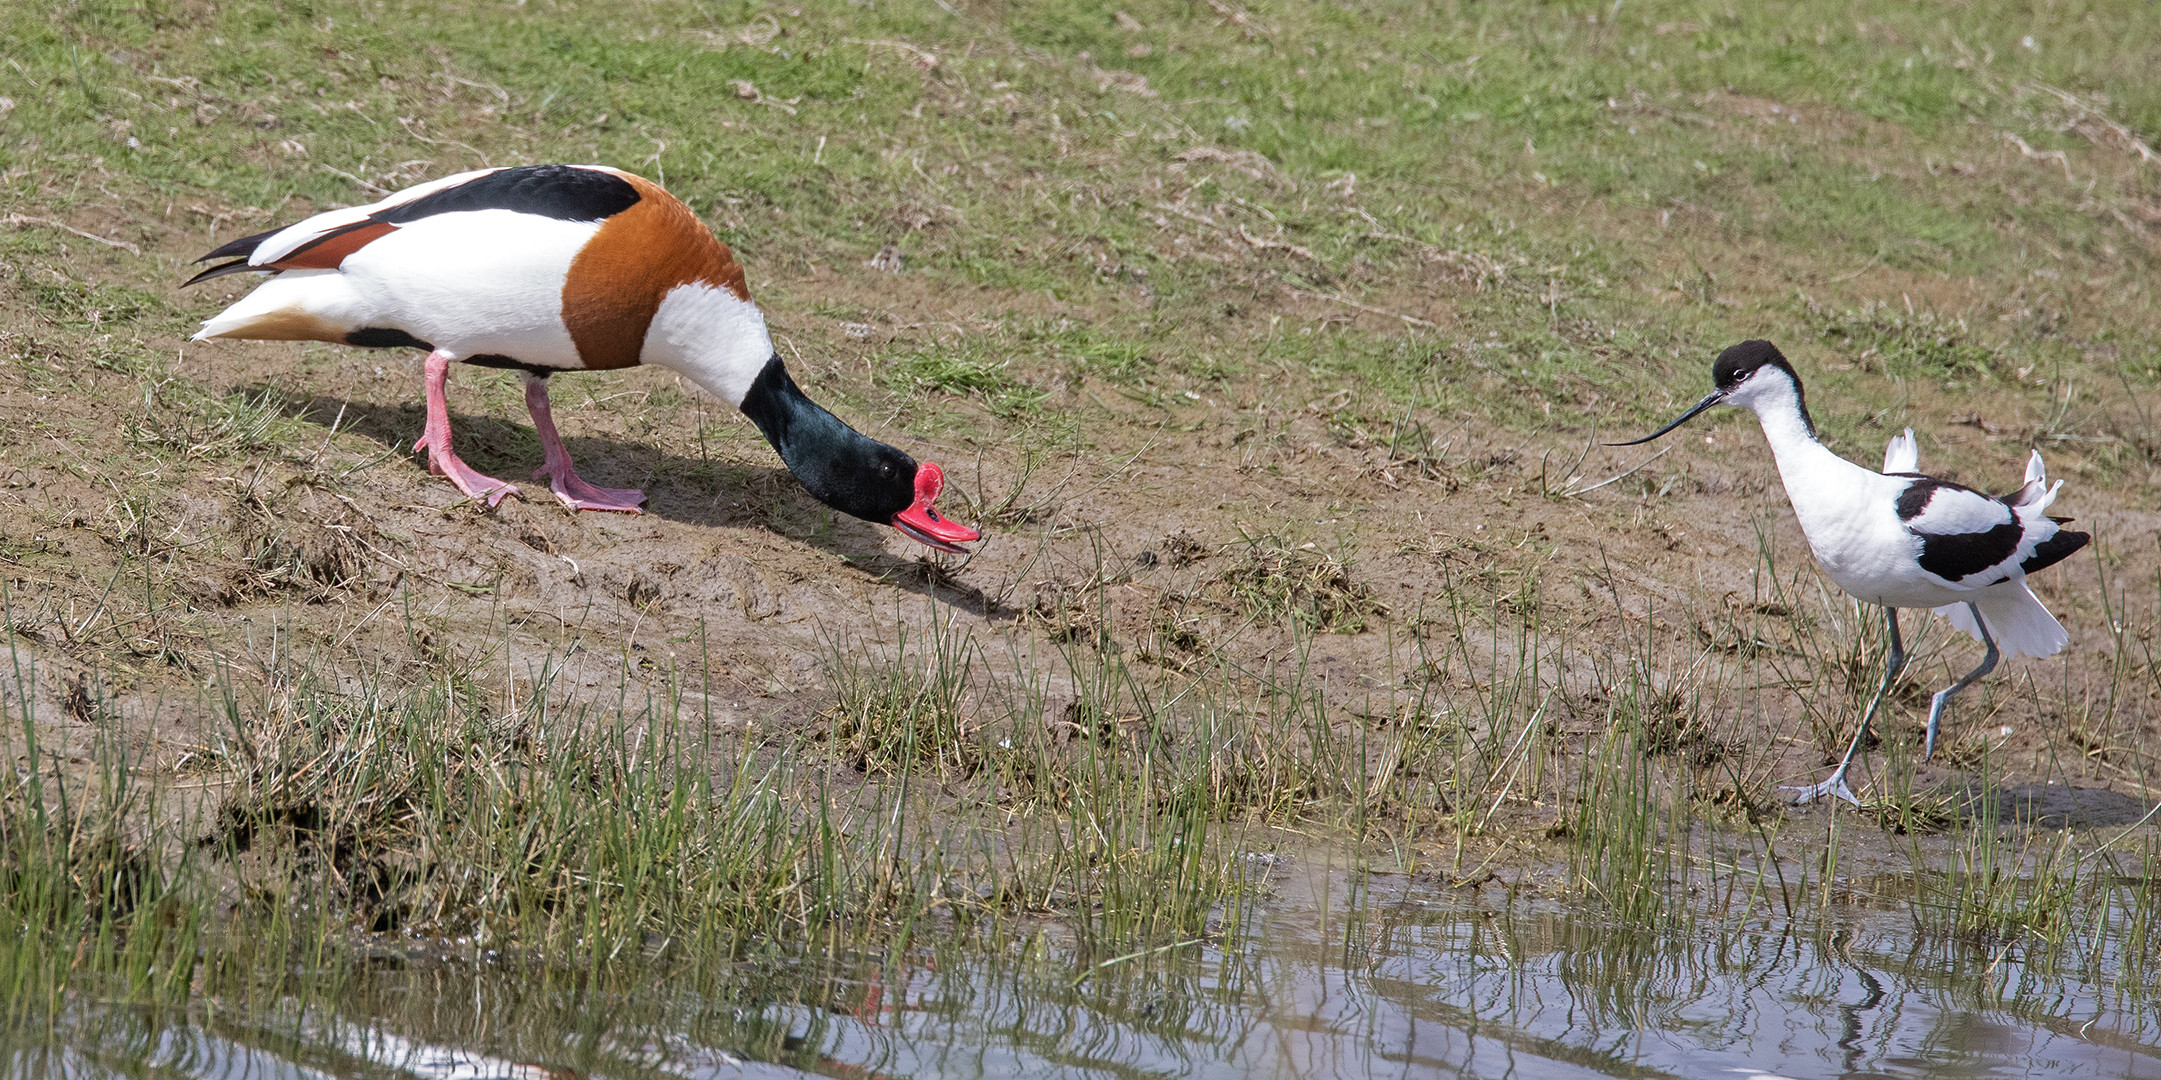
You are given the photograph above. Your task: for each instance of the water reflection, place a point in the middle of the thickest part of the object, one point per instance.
(1420, 982)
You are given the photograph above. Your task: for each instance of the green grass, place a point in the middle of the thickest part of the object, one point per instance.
(1468, 130)
(963, 376)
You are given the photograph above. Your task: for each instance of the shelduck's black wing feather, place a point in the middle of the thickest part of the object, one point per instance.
(562, 192)
(237, 266)
(237, 249)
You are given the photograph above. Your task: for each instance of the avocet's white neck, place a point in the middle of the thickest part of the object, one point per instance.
(1821, 485)
(1776, 400)
(713, 337)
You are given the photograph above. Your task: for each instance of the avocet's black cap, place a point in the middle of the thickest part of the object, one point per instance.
(1741, 361)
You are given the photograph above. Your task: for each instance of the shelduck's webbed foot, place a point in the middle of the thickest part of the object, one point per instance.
(572, 491)
(562, 477)
(435, 439)
(475, 484)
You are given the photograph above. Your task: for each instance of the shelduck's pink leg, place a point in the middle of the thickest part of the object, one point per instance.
(435, 439)
(574, 492)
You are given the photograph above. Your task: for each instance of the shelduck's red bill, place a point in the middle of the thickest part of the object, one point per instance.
(923, 524)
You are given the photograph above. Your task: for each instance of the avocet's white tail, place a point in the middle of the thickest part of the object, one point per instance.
(2016, 619)
(1903, 455)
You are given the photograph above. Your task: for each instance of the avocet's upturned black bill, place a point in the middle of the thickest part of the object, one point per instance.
(1899, 539)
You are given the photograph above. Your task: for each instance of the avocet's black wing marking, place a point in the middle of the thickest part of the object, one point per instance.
(2055, 549)
(562, 192)
(1940, 507)
(1963, 532)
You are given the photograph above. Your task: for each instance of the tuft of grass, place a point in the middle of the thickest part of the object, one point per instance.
(891, 715)
(94, 896)
(963, 375)
(1620, 849)
(1274, 579)
(428, 811)
(1905, 812)
(224, 428)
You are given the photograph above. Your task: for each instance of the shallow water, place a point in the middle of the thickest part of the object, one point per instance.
(1423, 980)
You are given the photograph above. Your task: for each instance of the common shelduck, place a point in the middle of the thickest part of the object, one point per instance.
(548, 268)
(1900, 539)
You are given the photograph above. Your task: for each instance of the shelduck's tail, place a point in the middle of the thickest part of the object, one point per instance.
(2016, 619)
(1903, 455)
(297, 305)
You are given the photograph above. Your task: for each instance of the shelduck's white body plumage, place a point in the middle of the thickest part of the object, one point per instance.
(472, 284)
(1899, 539)
(553, 268)
(495, 281)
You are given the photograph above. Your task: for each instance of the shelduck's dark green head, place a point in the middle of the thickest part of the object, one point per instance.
(848, 470)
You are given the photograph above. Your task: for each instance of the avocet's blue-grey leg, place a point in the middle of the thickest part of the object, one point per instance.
(1892, 665)
(1943, 696)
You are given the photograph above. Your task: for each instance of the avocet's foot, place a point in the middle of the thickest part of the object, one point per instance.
(1935, 719)
(1835, 785)
(474, 484)
(572, 491)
